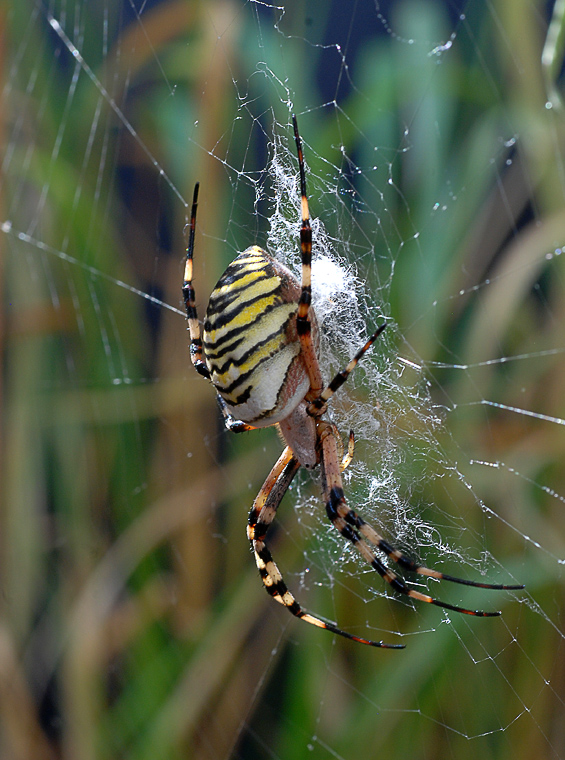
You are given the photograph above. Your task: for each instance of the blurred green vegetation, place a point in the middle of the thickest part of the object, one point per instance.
(133, 624)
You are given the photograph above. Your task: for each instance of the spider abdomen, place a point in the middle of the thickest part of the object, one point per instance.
(251, 346)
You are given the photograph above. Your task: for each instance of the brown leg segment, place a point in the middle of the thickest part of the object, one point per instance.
(355, 529)
(261, 517)
(303, 323)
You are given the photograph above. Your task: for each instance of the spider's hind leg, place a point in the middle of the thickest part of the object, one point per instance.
(261, 516)
(190, 297)
(303, 319)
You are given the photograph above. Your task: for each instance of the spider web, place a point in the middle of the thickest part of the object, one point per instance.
(134, 624)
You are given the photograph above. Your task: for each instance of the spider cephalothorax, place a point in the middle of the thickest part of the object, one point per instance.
(259, 348)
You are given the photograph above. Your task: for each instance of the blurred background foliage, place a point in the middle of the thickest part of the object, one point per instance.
(133, 624)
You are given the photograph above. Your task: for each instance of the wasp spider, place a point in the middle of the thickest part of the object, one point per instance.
(259, 351)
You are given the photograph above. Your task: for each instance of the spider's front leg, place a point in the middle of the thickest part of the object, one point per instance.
(261, 516)
(355, 529)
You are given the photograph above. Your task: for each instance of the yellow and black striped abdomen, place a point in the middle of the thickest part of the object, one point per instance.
(251, 346)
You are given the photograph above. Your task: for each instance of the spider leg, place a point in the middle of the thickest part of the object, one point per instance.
(189, 296)
(261, 516)
(348, 457)
(233, 425)
(303, 322)
(355, 529)
(318, 405)
(407, 564)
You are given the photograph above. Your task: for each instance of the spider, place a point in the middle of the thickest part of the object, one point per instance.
(259, 350)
